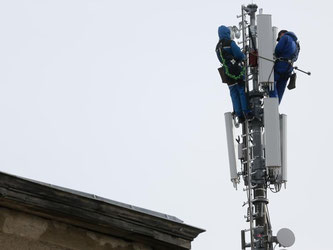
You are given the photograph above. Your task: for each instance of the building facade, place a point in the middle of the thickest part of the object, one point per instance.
(39, 216)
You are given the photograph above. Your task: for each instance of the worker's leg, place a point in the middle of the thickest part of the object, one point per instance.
(243, 98)
(234, 93)
(281, 87)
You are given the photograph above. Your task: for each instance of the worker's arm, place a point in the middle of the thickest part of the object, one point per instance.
(238, 54)
(280, 46)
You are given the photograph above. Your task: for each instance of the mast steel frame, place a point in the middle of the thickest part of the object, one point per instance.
(254, 171)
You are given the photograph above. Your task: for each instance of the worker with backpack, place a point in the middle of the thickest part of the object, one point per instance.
(232, 72)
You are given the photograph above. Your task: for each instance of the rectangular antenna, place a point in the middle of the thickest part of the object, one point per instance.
(231, 148)
(265, 48)
(272, 132)
(275, 34)
(283, 127)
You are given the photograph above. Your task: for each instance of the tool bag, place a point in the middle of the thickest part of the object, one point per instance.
(292, 81)
(223, 75)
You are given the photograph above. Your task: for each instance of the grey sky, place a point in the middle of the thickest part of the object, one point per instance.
(122, 99)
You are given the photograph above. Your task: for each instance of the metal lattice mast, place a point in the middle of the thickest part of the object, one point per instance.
(257, 171)
(261, 148)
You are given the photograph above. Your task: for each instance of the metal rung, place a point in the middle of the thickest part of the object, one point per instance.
(241, 42)
(247, 245)
(248, 147)
(245, 162)
(251, 133)
(246, 189)
(248, 230)
(252, 186)
(253, 216)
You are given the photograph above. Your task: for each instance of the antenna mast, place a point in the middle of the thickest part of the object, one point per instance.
(262, 143)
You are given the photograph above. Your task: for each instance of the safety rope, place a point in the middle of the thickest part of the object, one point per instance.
(265, 58)
(270, 74)
(290, 61)
(294, 67)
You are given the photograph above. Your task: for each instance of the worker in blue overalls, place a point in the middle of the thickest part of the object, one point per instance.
(231, 57)
(286, 53)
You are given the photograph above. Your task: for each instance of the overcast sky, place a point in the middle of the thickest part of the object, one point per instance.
(122, 99)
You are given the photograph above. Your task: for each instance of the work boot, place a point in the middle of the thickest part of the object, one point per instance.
(249, 116)
(238, 120)
(241, 119)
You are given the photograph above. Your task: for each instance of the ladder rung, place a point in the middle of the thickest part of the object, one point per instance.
(244, 135)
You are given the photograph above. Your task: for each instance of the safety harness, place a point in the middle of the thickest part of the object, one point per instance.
(285, 75)
(293, 57)
(233, 68)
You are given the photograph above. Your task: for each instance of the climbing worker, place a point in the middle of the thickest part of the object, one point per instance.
(286, 53)
(233, 71)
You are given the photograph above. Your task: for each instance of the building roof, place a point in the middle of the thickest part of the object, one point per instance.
(96, 213)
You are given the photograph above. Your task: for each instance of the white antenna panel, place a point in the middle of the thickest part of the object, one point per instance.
(265, 48)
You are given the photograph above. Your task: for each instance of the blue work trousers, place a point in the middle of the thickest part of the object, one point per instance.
(239, 99)
(280, 83)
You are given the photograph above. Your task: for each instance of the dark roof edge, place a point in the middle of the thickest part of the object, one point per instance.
(101, 199)
(100, 214)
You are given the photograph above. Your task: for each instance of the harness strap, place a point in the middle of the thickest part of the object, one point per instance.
(233, 61)
(281, 59)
